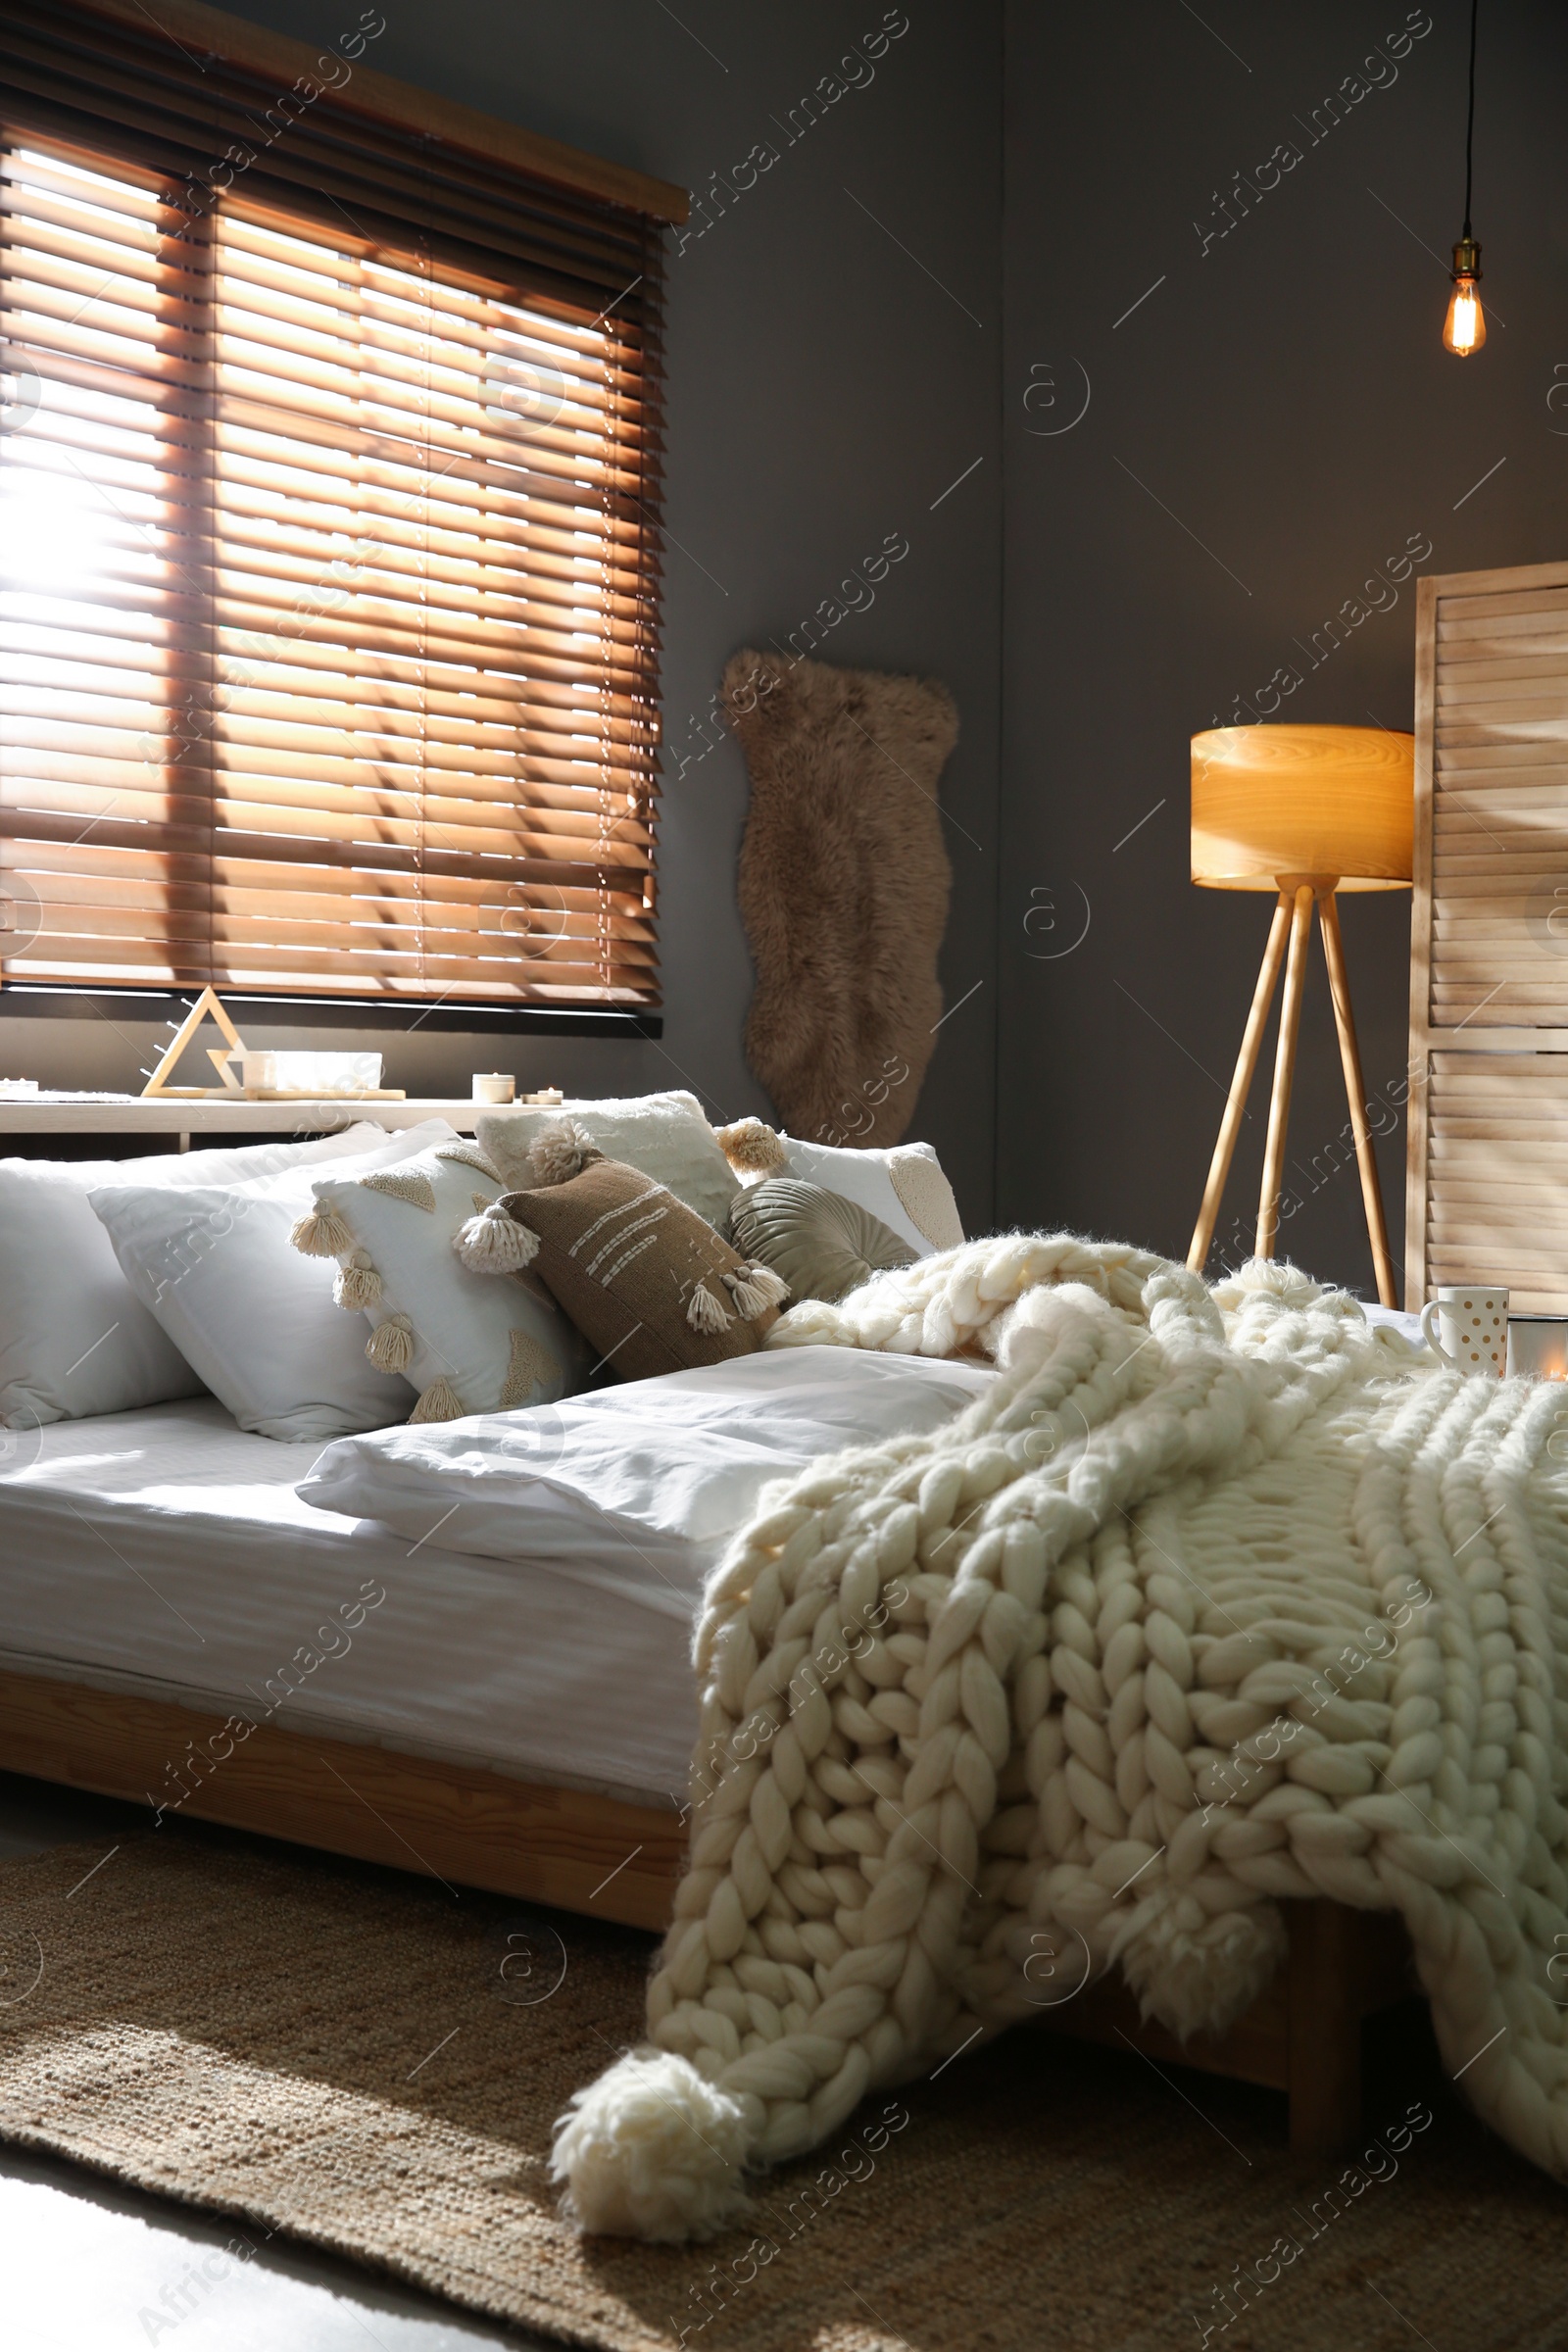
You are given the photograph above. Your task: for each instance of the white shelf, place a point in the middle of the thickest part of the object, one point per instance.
(167, 1115)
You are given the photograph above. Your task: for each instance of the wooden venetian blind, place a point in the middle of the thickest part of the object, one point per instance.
(329, 565)
(1488, 1188)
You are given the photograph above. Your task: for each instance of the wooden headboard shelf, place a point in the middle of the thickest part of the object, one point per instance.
(1486, 1197)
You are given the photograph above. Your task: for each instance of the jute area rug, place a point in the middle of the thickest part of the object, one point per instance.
(364, 2061)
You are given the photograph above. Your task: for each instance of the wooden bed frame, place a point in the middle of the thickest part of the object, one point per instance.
(608, 1860)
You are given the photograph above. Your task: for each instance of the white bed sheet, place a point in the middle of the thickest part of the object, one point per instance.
(166, 1551)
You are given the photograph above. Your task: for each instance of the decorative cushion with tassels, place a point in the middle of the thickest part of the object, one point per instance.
(467, 1346)
(647, 1280)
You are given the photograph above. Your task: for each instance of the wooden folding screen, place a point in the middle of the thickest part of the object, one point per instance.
(1486, 1197)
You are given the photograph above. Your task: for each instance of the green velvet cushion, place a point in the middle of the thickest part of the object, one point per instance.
(820, 1244)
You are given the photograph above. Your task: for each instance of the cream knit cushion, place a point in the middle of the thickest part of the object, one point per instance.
(1217, 1598)
(665, 1135)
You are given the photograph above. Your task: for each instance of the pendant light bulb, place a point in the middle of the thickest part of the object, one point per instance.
(1464, 329)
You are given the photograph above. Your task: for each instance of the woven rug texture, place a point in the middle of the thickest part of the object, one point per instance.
(373, 2063)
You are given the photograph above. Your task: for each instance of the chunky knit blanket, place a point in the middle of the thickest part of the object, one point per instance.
(1216, 1597)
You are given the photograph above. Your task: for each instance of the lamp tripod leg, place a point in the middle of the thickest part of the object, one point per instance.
(1230, 1126)
(1279, 1108)
(1328, 916)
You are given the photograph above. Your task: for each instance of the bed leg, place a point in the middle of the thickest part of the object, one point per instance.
(1325, 2027)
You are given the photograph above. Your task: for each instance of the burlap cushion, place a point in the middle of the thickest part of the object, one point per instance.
(648, 1283)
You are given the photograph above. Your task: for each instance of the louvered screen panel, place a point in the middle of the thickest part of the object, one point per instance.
(1488, 1191)
(328, 552)
(1500, 810)
(1497, 1175)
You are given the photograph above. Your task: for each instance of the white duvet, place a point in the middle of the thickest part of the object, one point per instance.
(636, 1489)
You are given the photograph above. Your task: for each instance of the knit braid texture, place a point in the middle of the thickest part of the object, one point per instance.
(1217, 1597)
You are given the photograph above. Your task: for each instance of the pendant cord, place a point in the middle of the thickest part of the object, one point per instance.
(1470, 120)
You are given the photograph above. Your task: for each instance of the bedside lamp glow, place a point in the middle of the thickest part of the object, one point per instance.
(1306, 813)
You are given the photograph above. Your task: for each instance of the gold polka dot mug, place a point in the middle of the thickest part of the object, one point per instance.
(1474, 1328)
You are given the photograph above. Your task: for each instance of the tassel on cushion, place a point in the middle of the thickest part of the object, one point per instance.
(439, 1402)
(358, 1283)
(752, 1148)
(321, 1233)
(754, 1289)
(704, 1311)
(390, 1346)
(561, 1151)
(492, 1242)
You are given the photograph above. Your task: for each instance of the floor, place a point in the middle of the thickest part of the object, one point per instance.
(89, 2266)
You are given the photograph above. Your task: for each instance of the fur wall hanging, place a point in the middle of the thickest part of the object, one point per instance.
(844, 884)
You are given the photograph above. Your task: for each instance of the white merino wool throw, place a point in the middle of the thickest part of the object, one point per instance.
(1217, 1597)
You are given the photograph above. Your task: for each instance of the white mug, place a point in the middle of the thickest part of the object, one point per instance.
(1474, 1323)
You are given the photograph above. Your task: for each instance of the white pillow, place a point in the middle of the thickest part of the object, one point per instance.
(904, 1186)
(250, 1315)
(663, 1136)
(74, 1338)
(470, 1343)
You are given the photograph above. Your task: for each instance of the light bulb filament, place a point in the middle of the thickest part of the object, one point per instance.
(1464, 329)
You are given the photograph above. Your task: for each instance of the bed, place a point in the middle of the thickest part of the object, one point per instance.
(117, 1666)
(521, 1724)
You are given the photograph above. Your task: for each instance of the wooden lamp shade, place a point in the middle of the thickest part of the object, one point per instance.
(1306, 813)
(1270, 802)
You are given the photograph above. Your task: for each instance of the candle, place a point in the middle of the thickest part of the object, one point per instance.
(1537, 1347)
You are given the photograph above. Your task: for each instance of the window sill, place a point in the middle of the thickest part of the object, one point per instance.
(333, 1013)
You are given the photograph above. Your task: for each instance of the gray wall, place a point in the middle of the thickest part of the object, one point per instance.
(826, 383)
(1266, 431)
(1292, 421)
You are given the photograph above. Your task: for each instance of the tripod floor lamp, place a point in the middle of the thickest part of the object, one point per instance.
(1304, 813)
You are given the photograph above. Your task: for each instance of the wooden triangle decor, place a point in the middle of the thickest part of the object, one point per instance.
(207, 1003)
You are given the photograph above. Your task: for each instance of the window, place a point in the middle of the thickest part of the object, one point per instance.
(328, 603)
